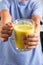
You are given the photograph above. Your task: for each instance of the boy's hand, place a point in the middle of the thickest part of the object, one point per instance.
(30, 41)
(6, 31)
(6, 25)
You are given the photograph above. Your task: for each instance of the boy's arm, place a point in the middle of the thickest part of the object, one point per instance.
(4, 10)
(36, 20)
(37, 15)
(6, 25)
(5, 16)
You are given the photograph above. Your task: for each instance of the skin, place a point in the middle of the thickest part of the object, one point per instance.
(6, 25)
(6, 30)
(34, 38)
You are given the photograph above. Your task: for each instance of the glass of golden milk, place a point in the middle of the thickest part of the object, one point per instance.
(21, 28)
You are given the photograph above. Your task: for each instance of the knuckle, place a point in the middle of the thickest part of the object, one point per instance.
(4, 40)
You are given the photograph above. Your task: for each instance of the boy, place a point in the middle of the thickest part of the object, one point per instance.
(11, 10)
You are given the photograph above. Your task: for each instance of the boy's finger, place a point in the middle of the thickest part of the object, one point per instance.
(32, 39)
(6, 27)
(6, 32)
(4, 35)
(30, 47)
(4, 39)
(9, 24)
(31, 43)
(31, 36)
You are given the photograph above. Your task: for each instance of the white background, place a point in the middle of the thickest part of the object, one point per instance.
(42, 6)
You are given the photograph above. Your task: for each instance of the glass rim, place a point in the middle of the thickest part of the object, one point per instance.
(30, 21)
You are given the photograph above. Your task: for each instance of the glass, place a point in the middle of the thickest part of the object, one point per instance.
(21, 28)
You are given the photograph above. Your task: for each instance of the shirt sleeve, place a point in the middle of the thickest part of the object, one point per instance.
(4, 5)
(37, 9)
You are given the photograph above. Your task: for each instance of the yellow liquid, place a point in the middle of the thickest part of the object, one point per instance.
(20, 31)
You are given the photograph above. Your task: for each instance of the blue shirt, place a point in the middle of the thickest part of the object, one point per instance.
(8, 53)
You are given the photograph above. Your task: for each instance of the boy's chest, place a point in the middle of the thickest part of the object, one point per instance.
(23, 10)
